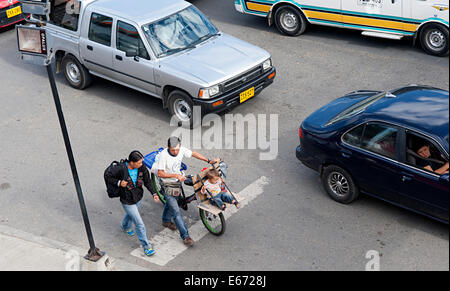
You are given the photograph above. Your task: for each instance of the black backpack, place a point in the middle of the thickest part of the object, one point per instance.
(112, 190)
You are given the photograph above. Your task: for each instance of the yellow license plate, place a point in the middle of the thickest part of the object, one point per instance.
(247, 94)
(13, 12)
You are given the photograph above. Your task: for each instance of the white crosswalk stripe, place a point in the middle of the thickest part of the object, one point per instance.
(168, 244)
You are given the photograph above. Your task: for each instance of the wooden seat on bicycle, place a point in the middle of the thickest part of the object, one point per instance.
(198, 185)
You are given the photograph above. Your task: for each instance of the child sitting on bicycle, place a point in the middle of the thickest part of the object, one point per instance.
(214, 185)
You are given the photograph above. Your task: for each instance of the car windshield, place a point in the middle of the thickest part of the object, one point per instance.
(180, 31)
(356, 108)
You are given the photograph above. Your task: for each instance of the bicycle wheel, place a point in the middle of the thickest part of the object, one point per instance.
(215, 224)
(158, 188)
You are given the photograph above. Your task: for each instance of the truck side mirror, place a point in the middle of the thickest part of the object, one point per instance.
(131, 53)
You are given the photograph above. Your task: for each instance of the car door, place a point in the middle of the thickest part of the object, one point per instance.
(425, 191)
(136, 70)
(323, 12)
(370, 151)
(95, 44)
(380, 15)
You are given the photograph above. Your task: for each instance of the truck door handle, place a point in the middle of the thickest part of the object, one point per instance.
(90, 48)
(119, 58)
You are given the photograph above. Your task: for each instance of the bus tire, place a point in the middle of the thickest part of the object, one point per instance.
(434, 39)
(290, 21)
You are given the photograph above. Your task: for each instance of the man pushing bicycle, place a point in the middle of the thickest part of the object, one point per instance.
(169, 171)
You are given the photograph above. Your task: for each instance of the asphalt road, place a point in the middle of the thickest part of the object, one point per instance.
(293, 225)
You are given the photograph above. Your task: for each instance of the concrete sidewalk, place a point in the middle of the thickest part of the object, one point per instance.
(21, 251)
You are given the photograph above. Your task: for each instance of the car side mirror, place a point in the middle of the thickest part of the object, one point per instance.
(444, 178)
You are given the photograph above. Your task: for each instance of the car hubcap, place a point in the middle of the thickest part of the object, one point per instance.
(436, 39)
(289, 21)
(338, 184)
(73, 73)
(182, 110)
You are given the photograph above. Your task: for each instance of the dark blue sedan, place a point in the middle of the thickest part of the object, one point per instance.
(390, 145)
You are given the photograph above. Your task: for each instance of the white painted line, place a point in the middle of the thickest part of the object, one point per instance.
(168, 244)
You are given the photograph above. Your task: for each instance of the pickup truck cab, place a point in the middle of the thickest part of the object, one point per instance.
(423, 20)
(167, 49)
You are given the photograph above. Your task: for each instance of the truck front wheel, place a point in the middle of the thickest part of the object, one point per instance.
(76, 74)
(182, 108)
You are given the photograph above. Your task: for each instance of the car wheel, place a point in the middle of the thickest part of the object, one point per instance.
(434, 39)
(76, 74)
(290, 21)
(339, 184)
(181, 107)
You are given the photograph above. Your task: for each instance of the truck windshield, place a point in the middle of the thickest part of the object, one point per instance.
(179, 31)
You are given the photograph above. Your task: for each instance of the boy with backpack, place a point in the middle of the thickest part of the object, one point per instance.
(125, 180)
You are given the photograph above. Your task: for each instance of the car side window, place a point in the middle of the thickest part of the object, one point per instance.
(100, 29)
(421, 153)
(353, 137)
(380, 139)
(128, 39)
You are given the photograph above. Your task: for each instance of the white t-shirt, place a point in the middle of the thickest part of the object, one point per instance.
(172, 165)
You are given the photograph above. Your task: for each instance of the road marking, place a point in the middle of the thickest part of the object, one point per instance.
(168, 244)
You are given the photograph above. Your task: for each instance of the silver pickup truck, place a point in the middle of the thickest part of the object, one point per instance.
(167, 49)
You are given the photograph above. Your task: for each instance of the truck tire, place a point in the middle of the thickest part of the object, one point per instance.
(181, 107)
(290, 21)
(76, 74)
(339, 184)
(434, 39)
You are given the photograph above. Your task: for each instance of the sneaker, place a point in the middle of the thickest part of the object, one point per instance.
(148, 251)
(188, 242)
(238, 205)
(129, 232)
(170, 225)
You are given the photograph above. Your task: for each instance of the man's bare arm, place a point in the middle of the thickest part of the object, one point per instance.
(203, 158)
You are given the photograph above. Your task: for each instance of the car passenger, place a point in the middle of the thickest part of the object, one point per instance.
(425, 153)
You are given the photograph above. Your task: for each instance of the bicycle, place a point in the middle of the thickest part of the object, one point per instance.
(211, 215)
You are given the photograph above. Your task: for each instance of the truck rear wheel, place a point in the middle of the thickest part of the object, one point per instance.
(76, 74)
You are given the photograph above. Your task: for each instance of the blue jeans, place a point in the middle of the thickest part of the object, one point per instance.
(132, 216)
(220, 198)
(172, 210)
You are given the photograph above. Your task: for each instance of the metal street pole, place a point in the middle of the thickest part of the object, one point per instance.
(94, 254)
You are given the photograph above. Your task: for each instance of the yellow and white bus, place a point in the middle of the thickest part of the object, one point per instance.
(424, 20)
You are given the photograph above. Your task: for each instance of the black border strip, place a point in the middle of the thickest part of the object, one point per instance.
(158, 86)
